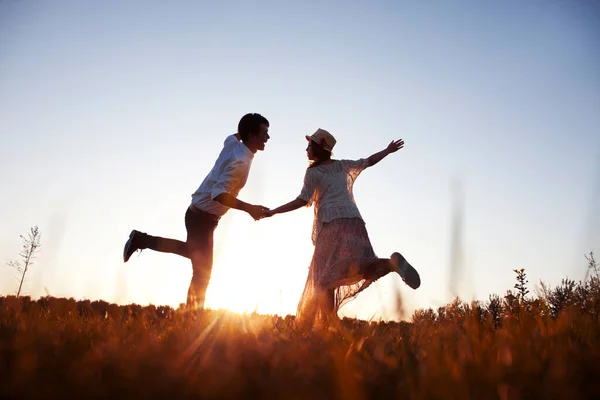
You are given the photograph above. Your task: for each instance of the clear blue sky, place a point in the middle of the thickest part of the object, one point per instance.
(111, 114)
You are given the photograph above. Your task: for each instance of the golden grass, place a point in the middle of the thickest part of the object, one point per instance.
(62, 347)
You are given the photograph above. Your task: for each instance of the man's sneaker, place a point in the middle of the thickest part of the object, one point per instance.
(409, 275)
(134, 244)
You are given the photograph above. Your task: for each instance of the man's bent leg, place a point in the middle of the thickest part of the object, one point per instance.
(140, 241)
(166, 245)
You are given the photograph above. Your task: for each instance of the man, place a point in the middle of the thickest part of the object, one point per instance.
(213, 198)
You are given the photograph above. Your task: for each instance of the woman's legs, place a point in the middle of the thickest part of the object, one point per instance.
(343, 265)
(328, 306)
(358, 269)
(373, 269)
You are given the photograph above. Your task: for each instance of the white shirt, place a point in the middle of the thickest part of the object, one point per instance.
(228, 175)
(329, 187)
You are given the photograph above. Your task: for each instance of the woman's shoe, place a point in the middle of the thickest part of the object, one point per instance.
(409, 275)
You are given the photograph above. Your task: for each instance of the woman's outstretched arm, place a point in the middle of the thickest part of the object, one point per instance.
(393, 147)
(291, 206)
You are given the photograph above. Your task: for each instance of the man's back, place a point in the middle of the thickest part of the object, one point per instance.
(229, 174)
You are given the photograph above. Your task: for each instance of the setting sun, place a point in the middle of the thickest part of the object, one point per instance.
(265, 275)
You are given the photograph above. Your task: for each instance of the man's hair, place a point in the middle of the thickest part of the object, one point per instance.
(250, 123)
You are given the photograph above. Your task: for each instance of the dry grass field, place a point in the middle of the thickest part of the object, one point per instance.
(510, 347)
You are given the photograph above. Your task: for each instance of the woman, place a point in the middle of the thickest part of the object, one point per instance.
(343, 263)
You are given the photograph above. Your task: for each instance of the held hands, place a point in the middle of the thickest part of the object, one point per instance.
(258, 212)
(269, 213)
(395, 145)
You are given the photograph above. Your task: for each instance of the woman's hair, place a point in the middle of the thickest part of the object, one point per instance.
(320, 154)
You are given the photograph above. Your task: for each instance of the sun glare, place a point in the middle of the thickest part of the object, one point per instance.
(256, 275)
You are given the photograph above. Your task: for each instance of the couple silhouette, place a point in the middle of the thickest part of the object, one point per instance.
(343, 263)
